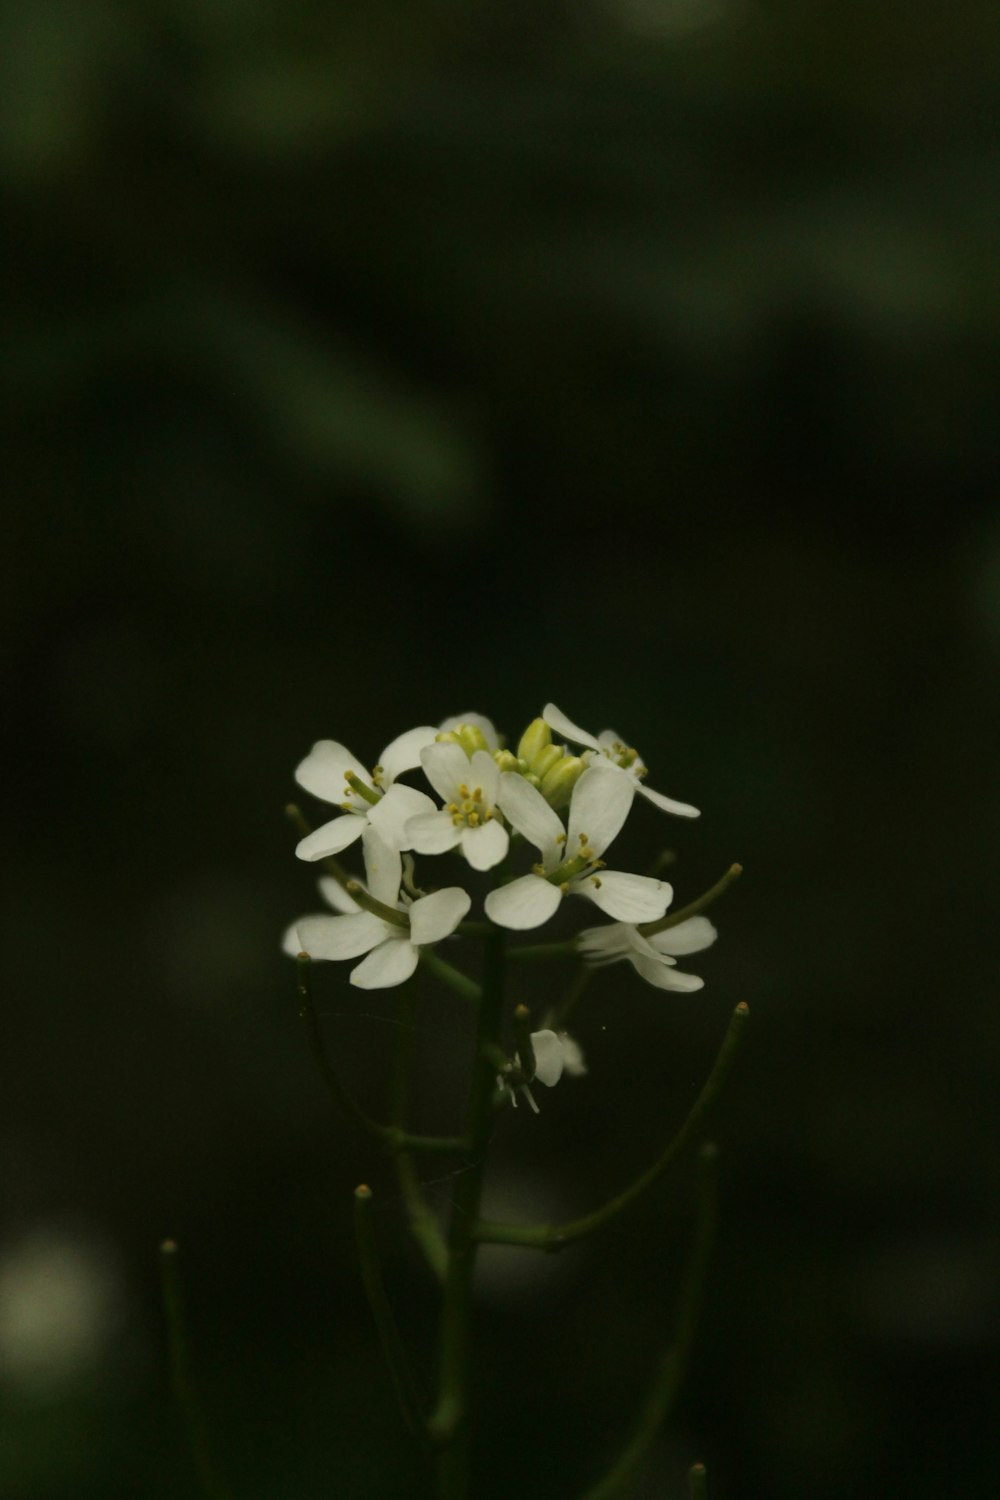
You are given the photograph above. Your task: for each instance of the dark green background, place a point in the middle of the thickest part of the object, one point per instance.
(368, 364)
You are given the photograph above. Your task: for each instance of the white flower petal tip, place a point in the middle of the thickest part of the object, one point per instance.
(627, 898)
(331, 838)
(549, 1057)
(436, 916)
(391, 963)
(523, 904)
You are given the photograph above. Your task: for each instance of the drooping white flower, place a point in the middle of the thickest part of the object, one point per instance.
(393, 950)
(654, 958)
(383, 803)
(468, 788)
(609, 751)
(571, 863)
(550, 1062)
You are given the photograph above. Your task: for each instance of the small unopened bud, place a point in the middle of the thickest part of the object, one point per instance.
(506, 760)
(469, 736)
(536, 738)
(558, 783)
(549, 757)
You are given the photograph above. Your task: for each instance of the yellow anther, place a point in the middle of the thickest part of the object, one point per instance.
(453, 807)
(564, 887)
(582, 837)
(473, 819)
(463, 790)
(478, 794)
(457, 819)
(597, 883)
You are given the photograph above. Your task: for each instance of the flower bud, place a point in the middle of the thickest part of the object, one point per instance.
(506, 760)
(558, 783)
(536, 738)
(549, 757)
(469, 736)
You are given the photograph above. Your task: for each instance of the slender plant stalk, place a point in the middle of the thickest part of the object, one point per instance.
(213, 1486)
(697, 1482)
(558, 1236)
(662, 1394)
(450, 1426)
(385, 1322)
(456, 981)
(392, 1137)
(422, 1220)
(675, 918)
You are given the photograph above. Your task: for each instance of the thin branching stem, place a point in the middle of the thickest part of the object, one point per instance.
(666, 1383)
(423, 1222)
(186, 1395)
(554, 1237)
(385, 1322)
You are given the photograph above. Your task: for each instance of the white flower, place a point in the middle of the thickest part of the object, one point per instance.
(653, 957)
(609, 751)
(393, 951)
(570, 863)
(550, 1062)
(387, 806)
(468, 788)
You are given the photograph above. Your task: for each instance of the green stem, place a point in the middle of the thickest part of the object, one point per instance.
(212, 1483)
(385, 1323)
(460, 983)
(557, 1236)
(667, 1382)
(540, 952)
(309, 1019)
(392, 1137)
(697, 1482)
(674, 919)
(423, 1221)
(449, 1424)
(390, 914)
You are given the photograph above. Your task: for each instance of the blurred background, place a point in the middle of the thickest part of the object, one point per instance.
(370, 364)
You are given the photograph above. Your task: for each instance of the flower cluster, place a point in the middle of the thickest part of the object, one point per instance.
(488, 802)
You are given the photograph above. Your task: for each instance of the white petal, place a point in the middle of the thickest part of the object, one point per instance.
(609, 741)
(325, 768)
(598, 808)
(665, 978)
(603, 945)
(337, 938)
(403, 753)
(388, 964)
(627, 898)
(485, 773)
(525, 807)
(332, 837)
(333, 892)
(574, 1062)
(383, 865)
(436, 916)
(558, 721)
(397, 807)
(679, 809)
(486, 845)
(690, 936)
(480, 721)
(432, 833)
(290, 941)
(548, 1050)
(524, 903)
(446, 767)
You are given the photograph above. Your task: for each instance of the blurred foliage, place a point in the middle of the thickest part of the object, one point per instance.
(368, 364)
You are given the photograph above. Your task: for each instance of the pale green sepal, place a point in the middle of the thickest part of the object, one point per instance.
(559, 781)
